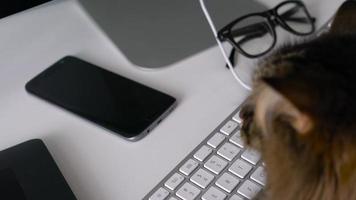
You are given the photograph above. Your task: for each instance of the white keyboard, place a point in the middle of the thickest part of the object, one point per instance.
(219, 168)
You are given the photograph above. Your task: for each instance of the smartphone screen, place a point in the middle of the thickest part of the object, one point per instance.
(121, 105)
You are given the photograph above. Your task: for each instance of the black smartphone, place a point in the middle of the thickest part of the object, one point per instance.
(119, 104)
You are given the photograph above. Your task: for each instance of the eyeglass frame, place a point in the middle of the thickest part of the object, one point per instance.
(273, 18)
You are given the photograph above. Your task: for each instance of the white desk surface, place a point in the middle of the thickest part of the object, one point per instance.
(99, 165)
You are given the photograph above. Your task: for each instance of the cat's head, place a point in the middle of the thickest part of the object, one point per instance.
(302, 114)
(308, 89)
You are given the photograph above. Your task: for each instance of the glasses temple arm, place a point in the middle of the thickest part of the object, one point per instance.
(231, 57)
(250, 29)
(290, 12)
(287, 16)
(243, 40)
(257, 27)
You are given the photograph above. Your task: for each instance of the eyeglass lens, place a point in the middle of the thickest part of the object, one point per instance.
(253, 35)
(295, 17)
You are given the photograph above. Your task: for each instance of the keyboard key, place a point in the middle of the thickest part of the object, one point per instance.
(227, 182)
(160, 194)
(237, 140)
(235, 197)
(174, 181)
(172, 198)
(240, 168)
(229, 127)
(228, 151)
(251, 156)
(259, 176)
(202, 178)
(237, 118)
(214, 194)
(216, 140)
(249, 189)
(202, 153)
(189, 166)
(215, 164)
(188, 192)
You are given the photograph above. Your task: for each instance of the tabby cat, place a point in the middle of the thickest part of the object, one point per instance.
(301, 115)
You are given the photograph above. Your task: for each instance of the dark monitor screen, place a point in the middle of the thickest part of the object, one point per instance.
(10, 189)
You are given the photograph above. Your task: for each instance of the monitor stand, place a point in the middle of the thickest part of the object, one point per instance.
(158, 33)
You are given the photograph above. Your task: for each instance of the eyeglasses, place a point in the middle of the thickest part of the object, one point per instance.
(254, 35)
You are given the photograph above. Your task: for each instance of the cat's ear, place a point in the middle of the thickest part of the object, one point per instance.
(345, 19)
(290, 99)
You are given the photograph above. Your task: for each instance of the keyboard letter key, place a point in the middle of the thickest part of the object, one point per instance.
(160, 194)
(259, 176)
(174, 181)
(235, 197)
(202, 153)
(237, 140)
(237, 118)
(216, 140)
(189, 166)
(202, 178)
(229, 127)
(228, 151)
(214, 194)
(240, 168)
(215, 164)
(227, 182)
(249, 189)
(251, 156)
(188, 192)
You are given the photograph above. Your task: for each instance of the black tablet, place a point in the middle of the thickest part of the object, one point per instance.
(28, 172)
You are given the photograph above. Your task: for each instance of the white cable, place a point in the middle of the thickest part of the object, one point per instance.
(212, 26)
